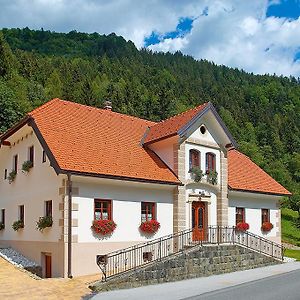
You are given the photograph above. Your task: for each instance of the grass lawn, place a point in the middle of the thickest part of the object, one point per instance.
(290, 233)
(292, 253)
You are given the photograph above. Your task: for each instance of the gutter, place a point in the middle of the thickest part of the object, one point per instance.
(69, 187)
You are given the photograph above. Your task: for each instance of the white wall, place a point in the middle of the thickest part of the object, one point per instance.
(126, 202)
(30, 190)
(253, 203)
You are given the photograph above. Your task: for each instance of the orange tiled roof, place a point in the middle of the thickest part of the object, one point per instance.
(98, 141)
(245, 175)
(171, 126)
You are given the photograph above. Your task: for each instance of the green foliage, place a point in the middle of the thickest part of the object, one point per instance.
(17, 225)
(290, 232)
(292, 253)
(27, 165)
(11, 176)
(2, 226)
(44, 222)
(197, 173)
(212, 177)
(261, 111)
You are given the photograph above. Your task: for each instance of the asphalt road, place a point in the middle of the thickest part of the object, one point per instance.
(279, 282)
(285, 286)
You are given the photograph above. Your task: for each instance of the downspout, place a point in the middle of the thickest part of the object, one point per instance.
(69, 186)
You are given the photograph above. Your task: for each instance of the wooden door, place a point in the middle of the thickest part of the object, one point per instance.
(199, 221)
(48, 267)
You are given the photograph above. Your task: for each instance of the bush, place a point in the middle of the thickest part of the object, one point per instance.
(2, 226)
(27, 165)
(150, 227)
(44, 222)
(103, 227)
(242, 226)
(17, 225)
(197, 173)
(12, 176)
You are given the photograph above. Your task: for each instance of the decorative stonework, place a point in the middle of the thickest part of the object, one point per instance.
(203, 143)
(222, 196)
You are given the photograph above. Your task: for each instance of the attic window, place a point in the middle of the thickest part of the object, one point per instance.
(202, 129)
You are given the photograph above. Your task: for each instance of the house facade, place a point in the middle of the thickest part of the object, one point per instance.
(89, 164)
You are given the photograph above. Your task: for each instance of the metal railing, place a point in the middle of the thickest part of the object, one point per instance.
(139, 255)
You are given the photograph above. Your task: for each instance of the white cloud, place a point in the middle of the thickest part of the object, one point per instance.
(234, 33)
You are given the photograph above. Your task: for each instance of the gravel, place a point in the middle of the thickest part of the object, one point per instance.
(288, 259)
(17, 258)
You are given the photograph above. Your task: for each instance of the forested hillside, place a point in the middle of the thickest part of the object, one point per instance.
(262, 112)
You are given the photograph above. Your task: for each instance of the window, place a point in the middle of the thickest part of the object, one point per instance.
(5, 174)
(202, 129)
(31, 154)
(2, 216)
(44, 156)
(48, 208)
(147, 211)
(265, 215)
(239, 215)
(102, 209)
(15, 163)
(194, 158)
(21, 213)
(210, 162)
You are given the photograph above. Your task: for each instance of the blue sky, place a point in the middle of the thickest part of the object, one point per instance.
(259, 36)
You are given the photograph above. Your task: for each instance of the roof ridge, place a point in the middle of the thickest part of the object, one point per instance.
(182, 113)
(86, 107)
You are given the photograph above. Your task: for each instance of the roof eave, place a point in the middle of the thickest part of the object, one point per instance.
(258, 192)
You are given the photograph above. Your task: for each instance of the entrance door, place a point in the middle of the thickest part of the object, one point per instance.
(48, 269)
(198, 221)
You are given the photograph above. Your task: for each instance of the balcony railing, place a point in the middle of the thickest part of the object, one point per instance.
(118, 262)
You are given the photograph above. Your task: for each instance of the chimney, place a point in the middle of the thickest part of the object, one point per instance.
(107, 105)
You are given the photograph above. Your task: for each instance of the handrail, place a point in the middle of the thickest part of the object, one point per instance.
(139, 255)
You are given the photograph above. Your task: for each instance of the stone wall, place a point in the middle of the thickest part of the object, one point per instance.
(199, 262)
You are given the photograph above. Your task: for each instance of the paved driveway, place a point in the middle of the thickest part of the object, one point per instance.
(17, 284)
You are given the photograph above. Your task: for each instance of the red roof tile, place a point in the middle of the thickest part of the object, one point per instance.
(98, 141)
(171, 126)
(245, 175)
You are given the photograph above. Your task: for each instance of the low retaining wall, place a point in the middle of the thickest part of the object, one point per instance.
(198, 262)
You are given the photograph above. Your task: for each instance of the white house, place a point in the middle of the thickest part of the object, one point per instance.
(87, 163)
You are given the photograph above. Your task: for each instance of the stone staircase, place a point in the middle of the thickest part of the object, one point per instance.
(198, 261)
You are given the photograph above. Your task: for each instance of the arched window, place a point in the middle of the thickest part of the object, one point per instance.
(194, 158)
(210, 162)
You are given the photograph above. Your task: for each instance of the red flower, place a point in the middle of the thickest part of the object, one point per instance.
(151, 226)
(266, 226)
(103, 227)
(242, 226)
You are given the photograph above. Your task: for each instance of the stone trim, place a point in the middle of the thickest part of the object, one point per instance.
(203, 143)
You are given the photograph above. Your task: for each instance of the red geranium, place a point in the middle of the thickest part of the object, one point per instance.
(266, 226)
(103, 227)
(242, 226)
(150, 226)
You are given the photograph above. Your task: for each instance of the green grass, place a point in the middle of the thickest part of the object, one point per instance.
(290, 233)
(292, 253)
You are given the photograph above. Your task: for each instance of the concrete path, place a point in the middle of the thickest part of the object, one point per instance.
(195, 287)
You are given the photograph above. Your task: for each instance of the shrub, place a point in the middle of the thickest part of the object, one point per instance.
(44, 222)
(150, 227)
(242, 226)
(17, 225)
(212, 177)
(12, 176)
(2, 226)
(197, 173)
(103, 227)
(266, 226)
(27, 165)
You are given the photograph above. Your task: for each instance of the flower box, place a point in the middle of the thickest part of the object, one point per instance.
(44, 222)
(150, 227)
(27, 165)
(242, 226)
(103, 227)
(266, 226)
(196, 173)
(17, 225)
(12, 176)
